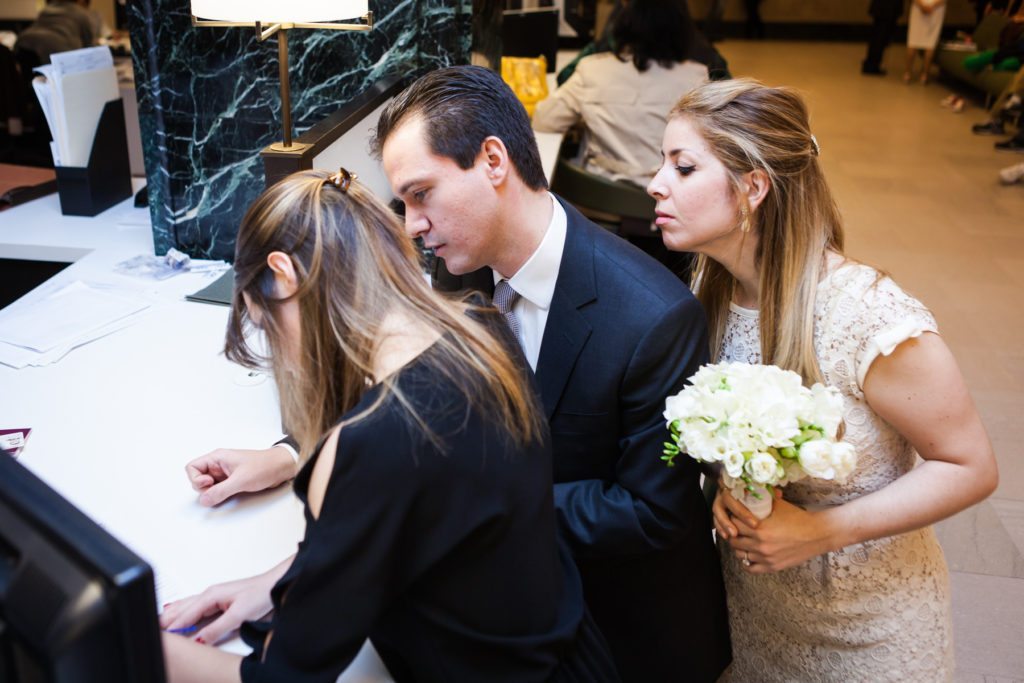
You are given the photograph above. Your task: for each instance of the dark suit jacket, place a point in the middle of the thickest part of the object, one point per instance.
(622, 334)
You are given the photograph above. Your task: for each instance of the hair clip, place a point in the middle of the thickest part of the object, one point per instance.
(341, 180)
(815, 147)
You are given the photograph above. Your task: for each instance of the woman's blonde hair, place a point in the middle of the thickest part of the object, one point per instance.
(750, 126)
(355, 266)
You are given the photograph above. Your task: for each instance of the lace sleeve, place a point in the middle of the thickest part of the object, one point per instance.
(888, 316)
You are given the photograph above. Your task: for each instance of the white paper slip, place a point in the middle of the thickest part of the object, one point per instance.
(65, 316)
(58, 352)
(86, 59)
(79, 106)
(16, 356)
(43, 93)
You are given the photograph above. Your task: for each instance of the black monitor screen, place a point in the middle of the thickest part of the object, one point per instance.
(75, 604)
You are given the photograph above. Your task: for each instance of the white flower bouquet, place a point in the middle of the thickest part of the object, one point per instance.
(763, 425)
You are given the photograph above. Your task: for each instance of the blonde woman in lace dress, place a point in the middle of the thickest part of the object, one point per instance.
(843, 582)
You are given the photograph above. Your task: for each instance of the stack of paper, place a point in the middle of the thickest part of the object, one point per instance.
(72, 91)
(44, 331)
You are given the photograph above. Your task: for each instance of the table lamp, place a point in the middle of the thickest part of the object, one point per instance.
(270, 17)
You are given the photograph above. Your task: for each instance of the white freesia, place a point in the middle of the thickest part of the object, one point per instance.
(764, 469)
(734, 462)
(761, 423)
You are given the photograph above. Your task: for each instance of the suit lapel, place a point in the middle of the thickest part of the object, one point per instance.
(567, 329)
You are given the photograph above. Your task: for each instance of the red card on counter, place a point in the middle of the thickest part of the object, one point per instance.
(13, 440)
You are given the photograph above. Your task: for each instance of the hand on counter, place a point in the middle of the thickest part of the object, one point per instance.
(222, 473)
(231, 603)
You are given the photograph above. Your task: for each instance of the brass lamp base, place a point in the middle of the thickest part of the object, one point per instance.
(293, 147)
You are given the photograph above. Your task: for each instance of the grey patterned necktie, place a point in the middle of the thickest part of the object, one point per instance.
(504, 299)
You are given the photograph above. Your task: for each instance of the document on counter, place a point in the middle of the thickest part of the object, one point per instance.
(72, 91)
(43, 331)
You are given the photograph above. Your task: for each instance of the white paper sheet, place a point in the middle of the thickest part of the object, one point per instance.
(70, 316)
(77, 61)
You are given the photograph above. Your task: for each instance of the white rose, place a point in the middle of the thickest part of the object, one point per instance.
(763, 468)
(816, 459)
(844, 460)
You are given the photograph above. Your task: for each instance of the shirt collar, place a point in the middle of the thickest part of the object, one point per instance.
(535, 280)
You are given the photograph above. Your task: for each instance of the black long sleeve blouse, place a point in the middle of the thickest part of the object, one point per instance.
(445, 557)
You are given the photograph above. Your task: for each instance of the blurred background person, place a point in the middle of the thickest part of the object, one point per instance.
(621, 97)
(923, 29)
(884, 14)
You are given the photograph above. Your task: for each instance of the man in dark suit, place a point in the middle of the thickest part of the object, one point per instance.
(610, 333)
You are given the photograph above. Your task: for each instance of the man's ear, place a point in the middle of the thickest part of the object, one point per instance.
(755, 187)
(495, 157)
(286, 281)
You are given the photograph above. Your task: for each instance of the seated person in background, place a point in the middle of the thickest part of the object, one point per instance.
(701, 51)
(1009, 53)
(1006, 105)
(62, 25)
(1014, 144)
(430, 525)
(622, 97)
(1010, 50)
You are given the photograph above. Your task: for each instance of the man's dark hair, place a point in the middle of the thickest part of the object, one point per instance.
(659, 30)
(461, 106)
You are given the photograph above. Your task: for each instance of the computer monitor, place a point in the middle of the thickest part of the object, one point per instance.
(75, 604)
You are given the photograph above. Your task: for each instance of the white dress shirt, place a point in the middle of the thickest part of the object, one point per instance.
(535, 283)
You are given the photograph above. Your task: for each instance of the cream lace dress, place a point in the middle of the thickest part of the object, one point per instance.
(875, 611)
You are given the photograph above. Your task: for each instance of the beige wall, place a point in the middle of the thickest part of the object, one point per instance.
(106, 10)
(822, 11)
(29, 9)
(20, 9)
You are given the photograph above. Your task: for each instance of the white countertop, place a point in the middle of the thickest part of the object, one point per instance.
(114, 422)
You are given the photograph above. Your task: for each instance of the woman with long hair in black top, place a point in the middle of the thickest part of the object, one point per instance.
(427, 482)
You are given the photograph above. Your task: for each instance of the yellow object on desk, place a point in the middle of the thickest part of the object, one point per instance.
(527, 76)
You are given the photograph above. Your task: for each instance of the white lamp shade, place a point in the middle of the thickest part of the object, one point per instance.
(279, 11)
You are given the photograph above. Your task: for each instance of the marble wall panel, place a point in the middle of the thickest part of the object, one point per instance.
(209, 101)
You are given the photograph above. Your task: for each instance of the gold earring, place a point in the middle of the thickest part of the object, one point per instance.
(744, 219)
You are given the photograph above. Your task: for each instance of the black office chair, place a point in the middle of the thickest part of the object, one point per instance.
(622, 208)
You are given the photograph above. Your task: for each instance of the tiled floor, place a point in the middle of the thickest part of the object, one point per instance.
(921, 199)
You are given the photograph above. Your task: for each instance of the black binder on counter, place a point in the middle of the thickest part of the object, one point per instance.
(107, 179)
